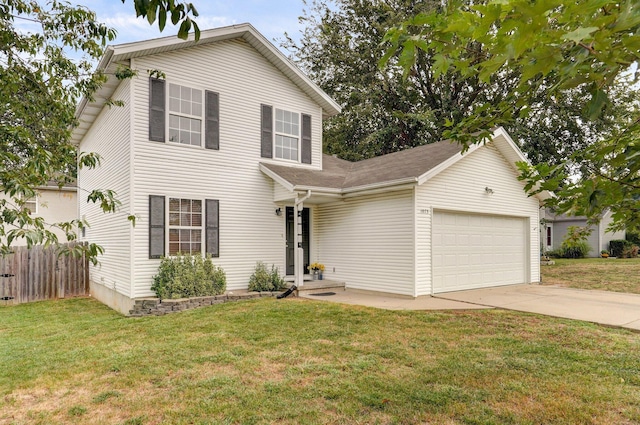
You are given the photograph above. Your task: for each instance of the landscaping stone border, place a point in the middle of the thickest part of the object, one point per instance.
(158, 307)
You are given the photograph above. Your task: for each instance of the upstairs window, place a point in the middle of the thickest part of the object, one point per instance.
(185, 115)
(287, 135)
(183, 107)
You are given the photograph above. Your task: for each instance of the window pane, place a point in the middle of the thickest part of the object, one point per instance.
(174, 248)
(185, 248)
(279, 115)
(185, 137)
(174, 219)
(196, 205)
(196, 109)
(185, 93)
(174, 235)
(196, 236)
(195, 126)
(174, 121)
(174, 104)
(196, 96)
(174, 204)
(185, 107)
(185, 205)
(174, 135)
(174, 90)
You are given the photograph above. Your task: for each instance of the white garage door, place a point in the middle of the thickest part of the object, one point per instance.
(473, 251)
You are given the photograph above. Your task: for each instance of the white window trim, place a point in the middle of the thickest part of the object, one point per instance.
(168, 114)
(168, 226)
(276, 133)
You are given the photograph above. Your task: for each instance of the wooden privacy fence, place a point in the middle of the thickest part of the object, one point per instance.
(38, 274)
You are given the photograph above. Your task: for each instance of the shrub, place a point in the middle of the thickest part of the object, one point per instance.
(575, 243)
(264, 280)
(186, 276)
(633, 237)
(630, 251)
(617, 247)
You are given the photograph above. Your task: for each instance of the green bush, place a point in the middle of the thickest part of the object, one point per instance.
(185, 276)
(575, 243)
(618, 246)
(264, 280)
(634, 238)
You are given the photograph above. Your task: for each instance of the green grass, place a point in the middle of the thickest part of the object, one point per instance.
(618, 275)
(297, 361)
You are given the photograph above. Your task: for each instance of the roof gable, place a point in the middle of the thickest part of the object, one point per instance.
(87, 112)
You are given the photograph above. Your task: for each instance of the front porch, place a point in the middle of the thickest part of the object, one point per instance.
(311, 286)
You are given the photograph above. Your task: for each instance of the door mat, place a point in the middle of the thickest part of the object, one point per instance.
(323, 294)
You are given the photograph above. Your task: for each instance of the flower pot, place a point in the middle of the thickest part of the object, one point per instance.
(320, 276)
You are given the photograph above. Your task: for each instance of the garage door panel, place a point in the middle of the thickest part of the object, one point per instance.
(477, 251)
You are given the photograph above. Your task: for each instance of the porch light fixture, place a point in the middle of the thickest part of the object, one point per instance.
(278, 211)
(488, 190)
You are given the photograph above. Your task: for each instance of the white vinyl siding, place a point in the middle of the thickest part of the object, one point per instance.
(250, 231)
(461, 188)
(369, 241)
(110, 138)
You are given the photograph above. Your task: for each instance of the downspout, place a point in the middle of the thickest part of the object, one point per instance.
(299, 255)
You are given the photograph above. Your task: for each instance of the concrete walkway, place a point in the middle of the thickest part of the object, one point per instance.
(606, 308)
(603, 307)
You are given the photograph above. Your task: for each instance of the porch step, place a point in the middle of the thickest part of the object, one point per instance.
(315, 285)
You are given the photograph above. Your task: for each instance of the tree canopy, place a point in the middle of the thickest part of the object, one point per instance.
(390, 109)
(550, 48)
(40, 85)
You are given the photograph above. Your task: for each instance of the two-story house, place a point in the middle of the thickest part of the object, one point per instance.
(219, 144)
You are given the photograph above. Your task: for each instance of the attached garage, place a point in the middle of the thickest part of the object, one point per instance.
(472, 251)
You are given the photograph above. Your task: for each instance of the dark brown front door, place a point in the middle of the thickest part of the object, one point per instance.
(291, 240)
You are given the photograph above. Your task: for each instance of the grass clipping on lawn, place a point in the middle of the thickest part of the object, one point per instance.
(299, 361)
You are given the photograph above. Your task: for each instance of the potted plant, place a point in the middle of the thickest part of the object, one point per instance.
(316, 269)
(604, 253)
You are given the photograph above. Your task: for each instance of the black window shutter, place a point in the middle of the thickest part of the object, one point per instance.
(306, 139)
(212, 120)
(212, 230)
(156, 109)
(266, 132)
(156, 226)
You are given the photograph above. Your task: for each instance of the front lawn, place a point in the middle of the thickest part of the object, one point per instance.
(296, 361)
(615, 274)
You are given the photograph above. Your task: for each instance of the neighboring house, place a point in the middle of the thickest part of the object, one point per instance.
(219, 154)
(554, 228)
(55, 205)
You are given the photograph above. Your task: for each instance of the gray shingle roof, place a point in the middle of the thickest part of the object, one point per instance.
(341, 174)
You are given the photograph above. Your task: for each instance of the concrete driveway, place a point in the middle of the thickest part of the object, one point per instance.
(605, 308)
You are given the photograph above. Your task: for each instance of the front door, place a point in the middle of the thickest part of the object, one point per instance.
(291, 234)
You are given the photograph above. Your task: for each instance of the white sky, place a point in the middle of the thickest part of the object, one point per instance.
(272, 18)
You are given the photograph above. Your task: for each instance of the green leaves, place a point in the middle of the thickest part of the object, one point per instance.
(541, 52)
(160, 9)
(579, 34)
(40, 86)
